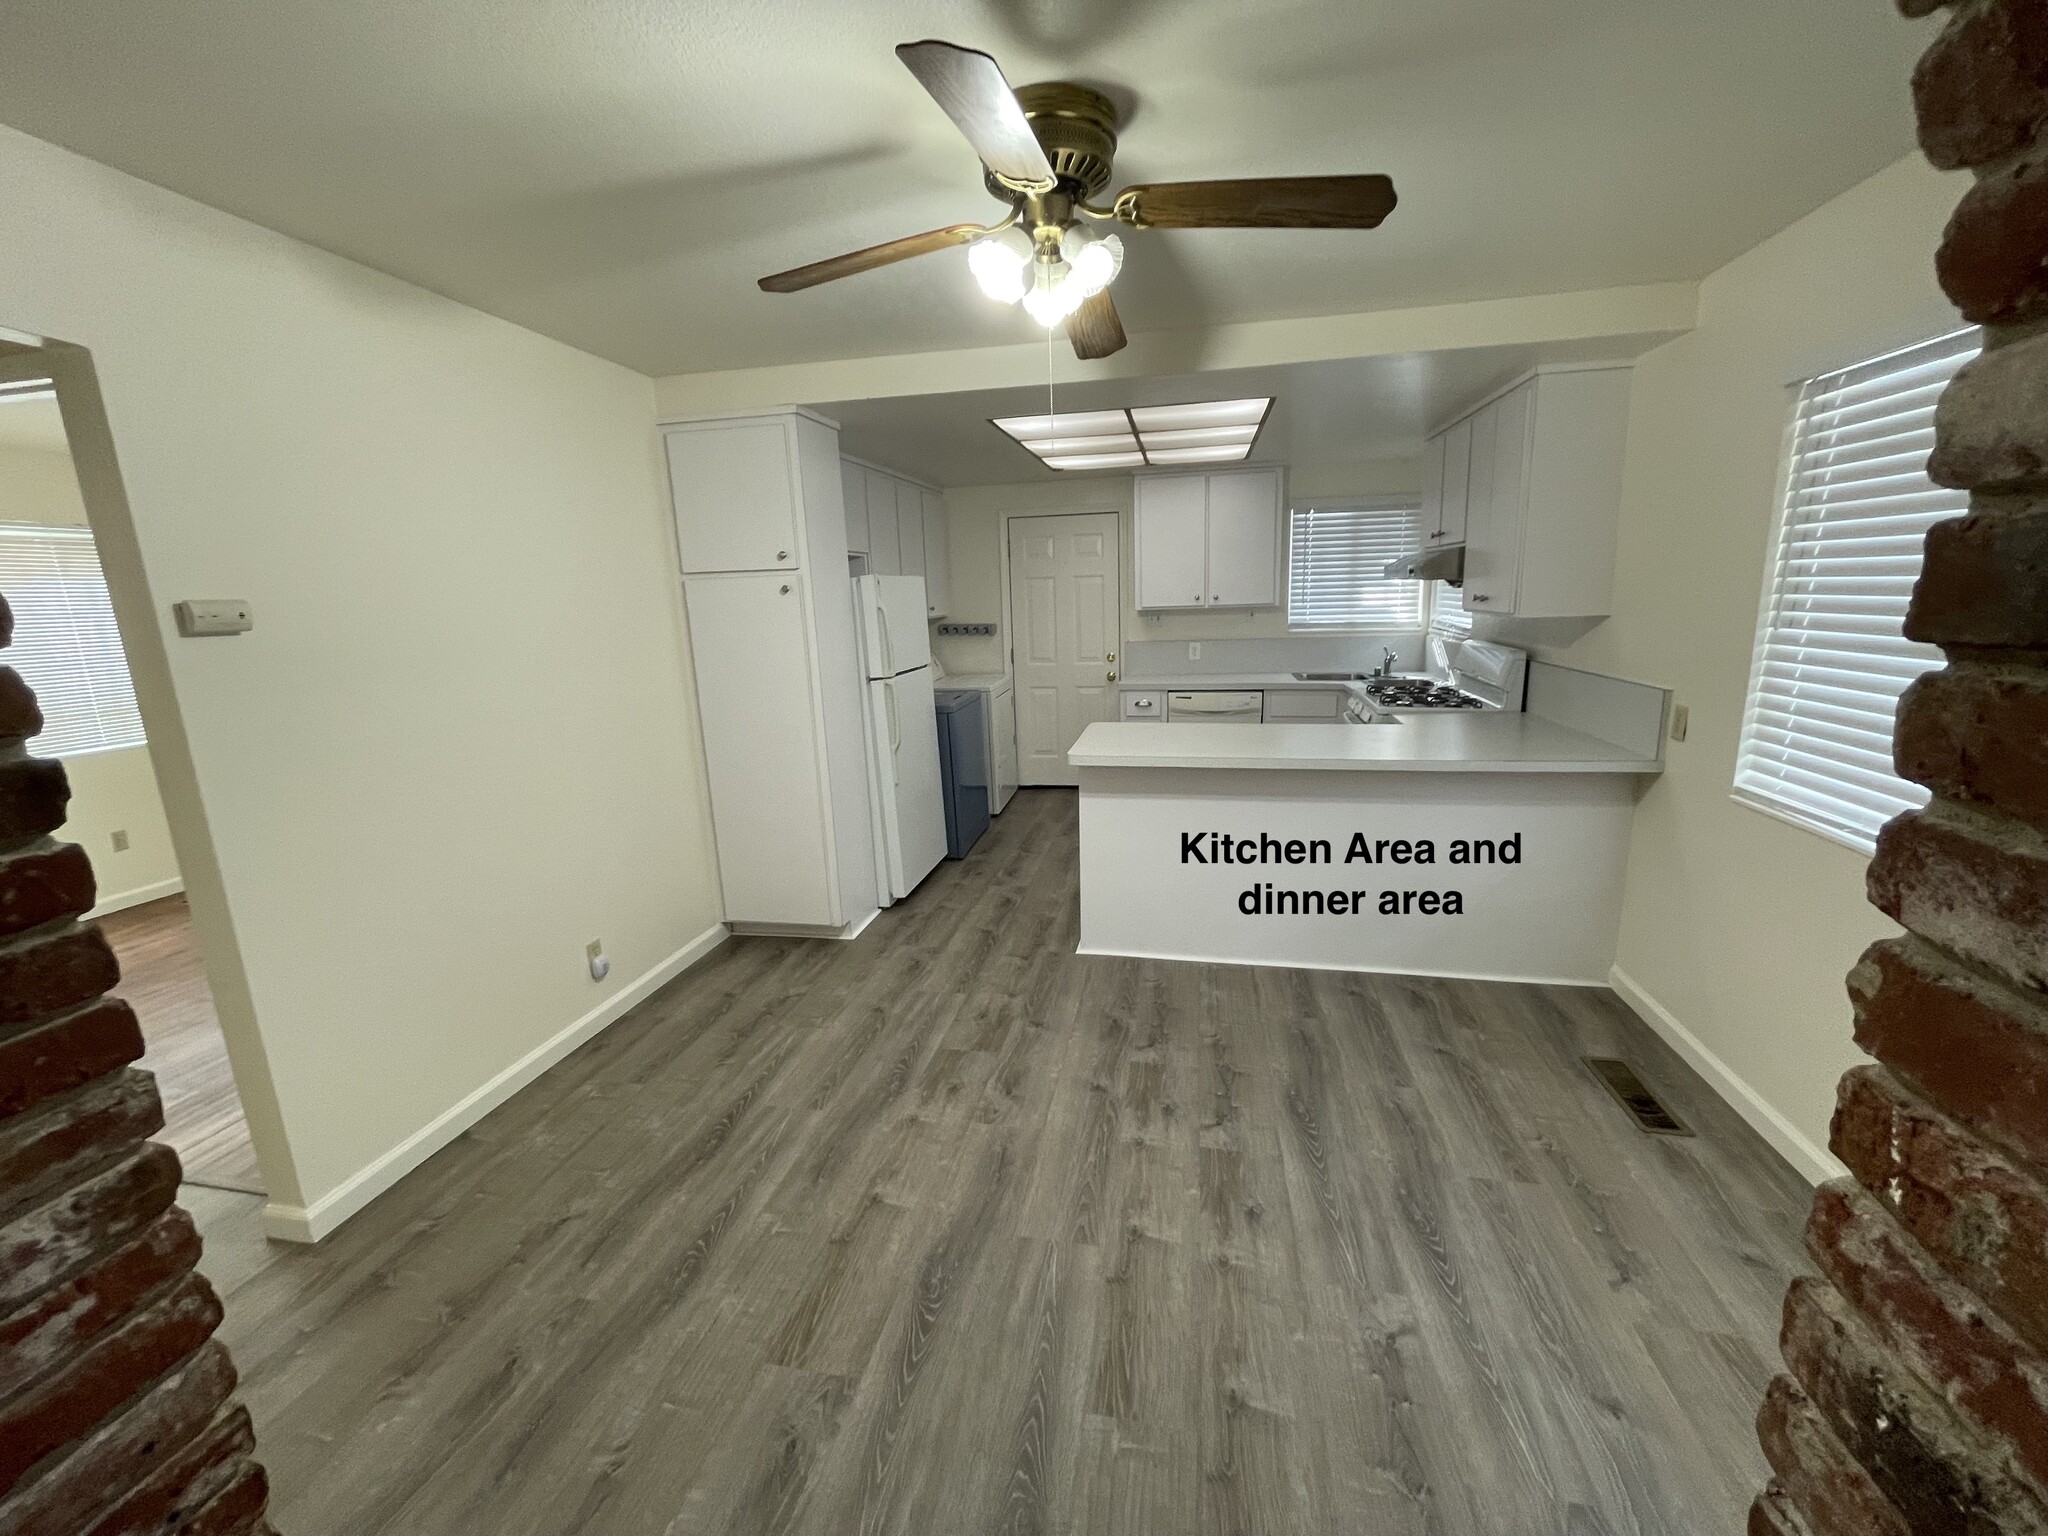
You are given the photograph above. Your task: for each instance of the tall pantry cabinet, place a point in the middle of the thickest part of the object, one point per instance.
(761, 536)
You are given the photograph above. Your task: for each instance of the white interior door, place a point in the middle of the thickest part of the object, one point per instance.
(1065, 602)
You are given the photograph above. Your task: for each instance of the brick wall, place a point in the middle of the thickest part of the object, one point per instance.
(116, 1405)
(1917, 1393)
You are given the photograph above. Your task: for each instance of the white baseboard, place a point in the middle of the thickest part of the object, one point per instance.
(122, 900)
(310, 1223)
(1815, 1162)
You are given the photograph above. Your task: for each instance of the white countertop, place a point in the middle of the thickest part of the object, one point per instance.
(1453, 741)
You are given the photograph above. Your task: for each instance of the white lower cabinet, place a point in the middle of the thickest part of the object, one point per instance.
(1305, 705)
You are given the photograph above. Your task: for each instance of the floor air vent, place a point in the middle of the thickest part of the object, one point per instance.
(1649, 1114)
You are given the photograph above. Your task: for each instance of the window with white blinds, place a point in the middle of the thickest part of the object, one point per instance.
(1334, 559)
(1831, 660)
(1447, 613)
(65, 644)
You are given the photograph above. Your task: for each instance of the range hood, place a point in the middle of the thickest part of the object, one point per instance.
(1446, 562)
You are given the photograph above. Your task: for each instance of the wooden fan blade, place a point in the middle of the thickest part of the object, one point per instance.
(1095, 328)
(870, 258)
(970, 87)
(1274, 202)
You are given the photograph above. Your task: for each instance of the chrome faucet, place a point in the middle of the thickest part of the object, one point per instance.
(1386, 666)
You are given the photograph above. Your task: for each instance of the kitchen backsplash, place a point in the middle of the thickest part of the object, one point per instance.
(1291, 653)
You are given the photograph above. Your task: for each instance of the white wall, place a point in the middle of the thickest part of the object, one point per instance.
(110, 791)
(1739, 926)
(460, 741)
(974, 516)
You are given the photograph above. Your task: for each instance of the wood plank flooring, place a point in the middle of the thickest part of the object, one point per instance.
(951, 1230)
(165, 983)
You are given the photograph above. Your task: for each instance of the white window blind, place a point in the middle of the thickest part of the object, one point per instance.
(1831, 660)
(65, 644)
(1447, 615)
(1334, 559)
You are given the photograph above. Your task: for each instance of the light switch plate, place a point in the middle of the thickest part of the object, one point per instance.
(213, 616)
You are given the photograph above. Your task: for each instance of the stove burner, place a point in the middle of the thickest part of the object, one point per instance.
(1420, 693)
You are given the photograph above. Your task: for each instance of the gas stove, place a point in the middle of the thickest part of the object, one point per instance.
(1421, 693)
(1480, 675)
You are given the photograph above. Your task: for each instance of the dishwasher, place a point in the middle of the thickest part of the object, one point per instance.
(1216, 708)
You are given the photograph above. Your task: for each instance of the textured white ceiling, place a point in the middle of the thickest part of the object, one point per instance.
(617, 172)
(1324, 414)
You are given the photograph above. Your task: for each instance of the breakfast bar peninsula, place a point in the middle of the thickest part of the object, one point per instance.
(1476, 845)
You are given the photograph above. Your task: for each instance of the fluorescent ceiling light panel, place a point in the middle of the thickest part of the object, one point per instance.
(1067, 424)
(1096, 461)
(1199, 437)
(1117, 442)
(1204, 432)
(1204, 413)
(1222, 455)
(43, 389)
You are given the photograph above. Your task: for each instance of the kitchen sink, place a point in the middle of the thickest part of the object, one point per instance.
(1331, 677)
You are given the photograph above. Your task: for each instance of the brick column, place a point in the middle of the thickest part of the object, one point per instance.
(116, 1408)
(1917, 1399)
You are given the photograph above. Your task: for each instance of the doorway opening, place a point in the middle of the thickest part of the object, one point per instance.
(69, 649)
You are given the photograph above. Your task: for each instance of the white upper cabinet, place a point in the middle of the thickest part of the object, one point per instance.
(734, 490)
(853, 484)
(1171, 535)
(1545, 495)
(884, 557)
(1244, 538)
(1450, 527)
(938, 575)
(1208, 540)
(909, 529)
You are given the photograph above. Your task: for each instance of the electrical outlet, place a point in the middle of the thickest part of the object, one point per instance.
(600, 966)
(1681, 717)
(120, 842)
(1194, 650)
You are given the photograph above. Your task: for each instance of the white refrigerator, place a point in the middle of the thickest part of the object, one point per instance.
(903, 733)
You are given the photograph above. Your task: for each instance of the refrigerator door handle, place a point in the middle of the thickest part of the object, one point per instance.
(895, 724)
(888, 644)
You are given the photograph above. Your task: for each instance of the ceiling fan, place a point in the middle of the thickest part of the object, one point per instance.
(1046, 150)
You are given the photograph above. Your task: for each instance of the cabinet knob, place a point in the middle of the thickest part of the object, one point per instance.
(1111, 676)
(782, 554)
(785, 589)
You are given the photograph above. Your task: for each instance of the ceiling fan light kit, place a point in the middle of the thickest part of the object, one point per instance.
(1046, 150)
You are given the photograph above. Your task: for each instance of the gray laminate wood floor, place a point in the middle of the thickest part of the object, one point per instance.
(951, 1230)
